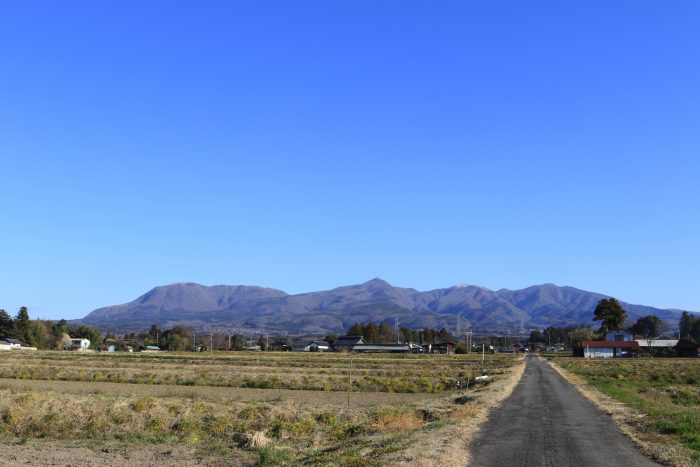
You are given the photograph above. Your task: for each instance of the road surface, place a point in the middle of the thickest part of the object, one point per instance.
(546, 422)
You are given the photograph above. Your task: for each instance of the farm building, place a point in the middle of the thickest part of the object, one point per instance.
(9, 344)
(440, 348)
(609, 349)
(346, 343)
(106, 348)
(80, 344)
(655, 345)
(318, 346)
(382, 348)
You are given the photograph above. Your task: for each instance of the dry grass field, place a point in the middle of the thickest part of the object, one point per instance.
(273, 370)
(661, 400)
(211, 409)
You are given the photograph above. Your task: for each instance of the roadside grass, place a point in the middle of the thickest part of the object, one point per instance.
(666, 391)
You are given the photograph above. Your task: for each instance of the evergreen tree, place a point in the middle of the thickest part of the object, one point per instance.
(6, 325)
(685, 325)
(21, 324)
(611, 313)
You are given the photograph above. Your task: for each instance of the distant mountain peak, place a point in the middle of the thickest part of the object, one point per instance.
(466, 286)
(223, 307)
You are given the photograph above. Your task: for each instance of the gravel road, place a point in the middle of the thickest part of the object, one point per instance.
(546, 422)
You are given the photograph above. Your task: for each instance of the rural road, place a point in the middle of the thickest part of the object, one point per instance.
(546, 422)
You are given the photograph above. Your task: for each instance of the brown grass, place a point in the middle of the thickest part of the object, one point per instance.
(278, 426)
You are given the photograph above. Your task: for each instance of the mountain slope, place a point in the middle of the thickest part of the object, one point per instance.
(224, 307)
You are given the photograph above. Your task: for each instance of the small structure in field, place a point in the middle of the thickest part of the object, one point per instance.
(150, 348)
(80, 344)
(107, 348)
(346, 343)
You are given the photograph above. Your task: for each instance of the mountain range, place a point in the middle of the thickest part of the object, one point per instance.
(254, 309)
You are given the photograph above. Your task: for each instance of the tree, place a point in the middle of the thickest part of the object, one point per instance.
(695, 331)
(154, 333)
(6, 325)
(611, 313)
(578, 335)
(648, 326)
(21, 324)
(36, 335)
(685, 325)
(330, 338)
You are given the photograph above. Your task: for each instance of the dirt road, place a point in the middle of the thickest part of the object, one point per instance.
(546, 422)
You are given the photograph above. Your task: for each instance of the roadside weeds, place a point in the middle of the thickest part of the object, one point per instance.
(449, 443)
(627, 418)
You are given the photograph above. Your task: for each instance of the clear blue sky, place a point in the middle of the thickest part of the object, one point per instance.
(307, 145)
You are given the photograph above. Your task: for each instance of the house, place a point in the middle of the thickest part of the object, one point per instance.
(318, 346)
(346, 343)
(80, 344)
(609, 349)
(446, 348)
(10, 344)
(382, 348)
(106, 348)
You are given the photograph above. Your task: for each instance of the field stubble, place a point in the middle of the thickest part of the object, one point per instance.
(224, 425)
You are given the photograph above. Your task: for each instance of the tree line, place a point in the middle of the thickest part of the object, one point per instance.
(612, 317)
(44, 334)
(383, 333)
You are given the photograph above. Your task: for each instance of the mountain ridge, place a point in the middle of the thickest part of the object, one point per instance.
(240, 307)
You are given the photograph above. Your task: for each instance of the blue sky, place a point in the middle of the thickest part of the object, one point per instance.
(307, 145)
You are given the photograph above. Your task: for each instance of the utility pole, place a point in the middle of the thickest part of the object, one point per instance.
(483, 356)
(349, 381)
(211, 342)
(398, 335)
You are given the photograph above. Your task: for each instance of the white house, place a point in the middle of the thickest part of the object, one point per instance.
(616, 344)
(80, 344)
(9, 344)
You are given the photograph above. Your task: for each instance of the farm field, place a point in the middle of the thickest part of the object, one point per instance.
(278, 370)
(210, 409)
(664, 395)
